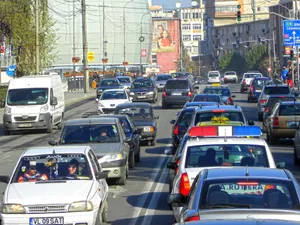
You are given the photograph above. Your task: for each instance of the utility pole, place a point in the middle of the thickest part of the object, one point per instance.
(74, 45)
(85, 48)
(253, 9)
(103, 37)
(37, 41)
(199, 49)
(274, 50)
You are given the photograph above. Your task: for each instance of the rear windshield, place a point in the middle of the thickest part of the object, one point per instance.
(226, 155)
(163, 77)
(136, 112)
(177, 84)
(250, 75)
(124, 79)
(185, 118)
(259, 84)
(272, 102)
(230, 73)
(213, 75)
(216, 116)
(142, 84)
(217, 91)
(206, 98)
(250, 193)
(289, 110)
(109, 83)
(277, 90)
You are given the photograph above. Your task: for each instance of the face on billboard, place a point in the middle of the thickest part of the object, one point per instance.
(164, 33)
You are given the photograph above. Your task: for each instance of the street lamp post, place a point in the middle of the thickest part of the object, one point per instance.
(178, 6)
(142, 40)
(283, 6)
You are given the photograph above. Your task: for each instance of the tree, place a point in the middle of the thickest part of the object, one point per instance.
(232, 61)
(225, 61)
(255, 56)
(19, 17)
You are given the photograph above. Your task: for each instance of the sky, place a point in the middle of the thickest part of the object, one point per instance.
(170, 4)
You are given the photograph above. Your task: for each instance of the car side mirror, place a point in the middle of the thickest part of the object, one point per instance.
(53, 101)
(156, 117)
(52, 142)
(128, 139)
(4, 179)
(101, 175)
(177, 200)
(250, 122)
(137, 131)
(280, 165)
(172, 166)
(2, 103)
(233, 96)
(131, 98)
(197, 87)
(172, 122)
(97, 100)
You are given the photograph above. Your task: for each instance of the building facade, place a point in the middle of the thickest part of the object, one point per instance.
(114, 28)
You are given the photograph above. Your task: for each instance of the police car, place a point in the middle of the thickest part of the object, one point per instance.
(55, 185)
(219, 146)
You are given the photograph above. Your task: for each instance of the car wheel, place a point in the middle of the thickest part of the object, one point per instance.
(50, 126)
(164, 105)
(260, 117)
(122, 179)
(153, 142)
(138, 155)
(99, 218)
(174, 149)
(132, 160)
(60, 124)
(242, 90)
(105, 211)
(5, 131)
(271, 139)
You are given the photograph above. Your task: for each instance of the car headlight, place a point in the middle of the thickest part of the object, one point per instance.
(44, 108)
(150, 93)
(100, 105)
(114, 157)
(149, 129)
(81, 206)
(131, 93)
(13, 208)
(7, 110)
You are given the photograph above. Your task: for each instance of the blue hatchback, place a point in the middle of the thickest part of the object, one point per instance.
(256, 85)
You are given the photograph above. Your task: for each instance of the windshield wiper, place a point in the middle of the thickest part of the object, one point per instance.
(227, 205)
(76, 142)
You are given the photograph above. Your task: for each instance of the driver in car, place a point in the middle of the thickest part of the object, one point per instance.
(103, 135)
(31, 174)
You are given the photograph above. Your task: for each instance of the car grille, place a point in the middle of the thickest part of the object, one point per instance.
(47, 209)
(21, 119)
(140, 93)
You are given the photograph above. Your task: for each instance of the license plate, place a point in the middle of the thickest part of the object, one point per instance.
(25, 125)
(293, 124)
(176, 93)
(46, 220)
(141, 96)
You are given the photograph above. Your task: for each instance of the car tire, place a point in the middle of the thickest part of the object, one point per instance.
(260, 117)
(132, 160)
(174, 149)
(164, 105)
(104, 213)
(271, 139)
(5, 131)
(153, 142)
(60, 124)
(122, 179)
(99, 218)
(248, 99)
(50, 126)
(138, 155)
(242, 90)
(264, 129)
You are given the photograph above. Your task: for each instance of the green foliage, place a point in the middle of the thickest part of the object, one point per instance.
(225, 61)
(255, 56)
(3, 91)
(19, 15)
(237, 62)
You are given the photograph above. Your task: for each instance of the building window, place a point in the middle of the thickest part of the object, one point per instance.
(186, 26)
(196, 37)
(186, 37)
(197, 26)
(153, 57)
(188, 49)
(226, 8)
(195, 16)
(186, 16)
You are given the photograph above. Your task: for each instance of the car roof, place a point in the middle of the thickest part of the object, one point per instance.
(217, 87)
(64, 149)
(262, 78)
(204, 94)
(134, 104)
(276, 85)
(220, 107)
(246, 172)
(290, 103)
(91, 120)
(109, 79)
(220, 140)
(278, 96)
(113, 116)
(123, 77)
(142, 78)
(164, 74)
(117, 89)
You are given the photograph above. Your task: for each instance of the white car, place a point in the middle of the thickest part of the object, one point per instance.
(109, 99)
(218, 146)
(230, 77)
(55, 185)
(213, 77)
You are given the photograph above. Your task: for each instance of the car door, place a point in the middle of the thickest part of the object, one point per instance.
(135, 137)
(271, 117)
(126, 147)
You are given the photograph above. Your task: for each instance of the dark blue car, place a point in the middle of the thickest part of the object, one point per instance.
(256, 86)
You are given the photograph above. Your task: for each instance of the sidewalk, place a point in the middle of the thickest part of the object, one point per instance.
(73, 97)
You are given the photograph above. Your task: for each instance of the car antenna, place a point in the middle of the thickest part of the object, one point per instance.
(247, 172)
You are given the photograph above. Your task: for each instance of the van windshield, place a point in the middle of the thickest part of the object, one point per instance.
(27, 96)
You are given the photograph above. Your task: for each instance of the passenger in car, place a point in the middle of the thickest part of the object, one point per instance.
(31, 174)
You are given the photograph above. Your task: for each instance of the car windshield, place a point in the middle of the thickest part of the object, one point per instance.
(163, 77)
(289, 110)
(277, 90)
(264, 193)
(91, 133)
(27, 96)
(217, 91)
(124, 79)
(272, 102)
(142, 84)
(178, 75)
(113, 95)
(213, 75)
(185, 118)
(218, 115)
(177, 84)
(252, 75)
(259, 84)
(109, 83)
(47, 167)
(206, 98)
(226, 155)
(136, 112)
(182, 145)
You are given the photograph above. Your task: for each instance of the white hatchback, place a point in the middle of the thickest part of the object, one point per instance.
(55, 185)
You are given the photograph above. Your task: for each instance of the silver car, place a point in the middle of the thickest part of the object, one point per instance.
(161, 80)
(125, 81)
(240, 192)
(249, 221)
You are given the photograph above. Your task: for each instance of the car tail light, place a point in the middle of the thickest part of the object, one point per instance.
(262, 101)
(192, 218)
(251, 89)
(176, 130)
(164, 94)
(184, 186)
(244, 82)
(275, 122)
(177, 162)
(229, 100)
(266, 109)
(190, 94)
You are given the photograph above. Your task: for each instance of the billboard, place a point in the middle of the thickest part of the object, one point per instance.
(165, 43)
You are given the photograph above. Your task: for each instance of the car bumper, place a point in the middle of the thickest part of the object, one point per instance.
(115, 169)
(283, 132)
(142, 98)
(148, 136)
(233, 80)
(243, 87)
(80, 218)
(108, 110)
(176, 100)
(40, 124)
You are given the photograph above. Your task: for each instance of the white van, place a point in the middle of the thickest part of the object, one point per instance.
(34, 103)
(214, 77)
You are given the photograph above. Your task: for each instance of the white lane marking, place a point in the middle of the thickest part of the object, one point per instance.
(146, 190)
(154, 200)
(5, 156)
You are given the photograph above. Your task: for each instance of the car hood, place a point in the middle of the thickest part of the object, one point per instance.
(126, 84)
(109, 87)
(102, 149)
(56, 192)
(161, 82)
(141, 123)
(225, 98)
(141, 89)
(112, 103)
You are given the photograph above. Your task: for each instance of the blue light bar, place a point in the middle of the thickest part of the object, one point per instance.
(243, 131)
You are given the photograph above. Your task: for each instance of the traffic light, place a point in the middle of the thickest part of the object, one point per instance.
(238, 13)
(292, 54)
